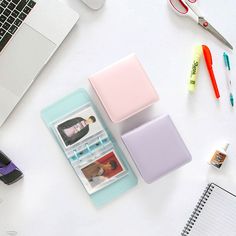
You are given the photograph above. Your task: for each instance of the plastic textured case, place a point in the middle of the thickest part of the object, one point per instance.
(9, 173)
(156, 148)
(124, 88)
(89, 147)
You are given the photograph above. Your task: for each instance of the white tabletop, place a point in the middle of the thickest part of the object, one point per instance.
(50, 200)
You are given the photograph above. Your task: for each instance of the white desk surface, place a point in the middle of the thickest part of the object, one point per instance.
(50, 200)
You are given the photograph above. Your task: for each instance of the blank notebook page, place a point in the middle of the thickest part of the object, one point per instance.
(214, 215)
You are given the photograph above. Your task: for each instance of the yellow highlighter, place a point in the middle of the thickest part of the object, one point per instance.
(195, 66)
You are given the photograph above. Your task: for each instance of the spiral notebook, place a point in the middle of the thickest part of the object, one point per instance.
(214, 215)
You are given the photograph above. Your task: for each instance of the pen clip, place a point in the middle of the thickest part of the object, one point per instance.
(226, 60)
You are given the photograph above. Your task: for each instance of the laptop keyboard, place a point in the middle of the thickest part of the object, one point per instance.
(12, 14)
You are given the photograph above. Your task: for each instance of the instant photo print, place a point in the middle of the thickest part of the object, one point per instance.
(101, 172)
(78, 127)
(89, 147)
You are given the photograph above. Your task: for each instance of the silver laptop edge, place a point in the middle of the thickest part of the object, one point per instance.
(30, 48)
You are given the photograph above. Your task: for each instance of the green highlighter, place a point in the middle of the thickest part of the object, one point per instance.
(195, 66)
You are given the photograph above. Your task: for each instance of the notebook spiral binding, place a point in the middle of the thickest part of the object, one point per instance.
(197, 210)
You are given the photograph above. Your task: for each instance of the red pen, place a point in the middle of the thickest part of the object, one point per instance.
(208, 60)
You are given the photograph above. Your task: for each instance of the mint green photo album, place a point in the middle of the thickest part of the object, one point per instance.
(89, 147)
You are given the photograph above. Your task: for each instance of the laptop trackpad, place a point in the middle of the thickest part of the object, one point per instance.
(23, 58)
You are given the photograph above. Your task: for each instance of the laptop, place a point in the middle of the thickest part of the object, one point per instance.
(30, 33)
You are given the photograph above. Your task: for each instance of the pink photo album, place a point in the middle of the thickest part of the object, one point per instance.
(124, 88)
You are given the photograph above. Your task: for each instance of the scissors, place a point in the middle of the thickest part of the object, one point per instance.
(189, 8)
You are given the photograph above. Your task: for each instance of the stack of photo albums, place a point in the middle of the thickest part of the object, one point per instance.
(89, 147)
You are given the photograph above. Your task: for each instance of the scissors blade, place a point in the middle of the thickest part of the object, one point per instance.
(207, 26)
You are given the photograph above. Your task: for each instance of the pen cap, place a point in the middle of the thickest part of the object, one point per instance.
(208, 60)
(197, 52)
(207, 55)
(226, 60)
(194, 70)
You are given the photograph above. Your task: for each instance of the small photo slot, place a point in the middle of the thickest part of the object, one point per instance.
(78, 127)
(101, 172)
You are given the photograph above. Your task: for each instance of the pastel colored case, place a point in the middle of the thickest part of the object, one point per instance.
(124, 88)
(156, 148)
